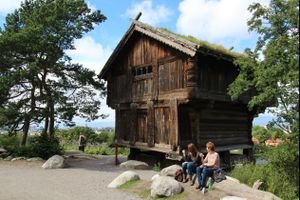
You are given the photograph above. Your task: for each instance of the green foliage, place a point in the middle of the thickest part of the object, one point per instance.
(272, 70)
(275, 76)
(45, 147)
(205, 44)
(129, 184)
(106, 150)
(277, 133)
(285, 158)
(273, 181)
(103, 137)
(260, 149)
(281, 173)
(40, 146)
(157, 167)
(39, 77)
(71, 136)
(261, 133)
(9, 142)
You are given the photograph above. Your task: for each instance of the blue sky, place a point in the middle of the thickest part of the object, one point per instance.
(217, 21)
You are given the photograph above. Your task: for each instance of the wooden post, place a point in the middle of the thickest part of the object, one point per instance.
(133, 124)
(174, 130)
(191, 73)
(151, 124)
(116, 153)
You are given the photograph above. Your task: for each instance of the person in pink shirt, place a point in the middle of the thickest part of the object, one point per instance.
(210, 164)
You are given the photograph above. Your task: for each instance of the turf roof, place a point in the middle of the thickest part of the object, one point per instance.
(205, 44)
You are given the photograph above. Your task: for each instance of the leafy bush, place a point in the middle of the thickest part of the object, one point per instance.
(39, 146)
(45, 147)
(273, 181)
(71, 136)
(277, 133)
(9, 142)
(281, 173)
(106, 150)
(261, 133)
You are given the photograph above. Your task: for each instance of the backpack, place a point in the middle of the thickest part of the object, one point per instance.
(179, 175)
(219, 175)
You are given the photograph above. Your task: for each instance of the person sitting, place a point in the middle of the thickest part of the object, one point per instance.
(191, 160)
(210, 164)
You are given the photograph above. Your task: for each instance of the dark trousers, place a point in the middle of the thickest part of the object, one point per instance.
(81, 148)
(203, 173)
(189, 168)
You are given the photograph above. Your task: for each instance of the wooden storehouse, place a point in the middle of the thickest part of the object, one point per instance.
(168, 91)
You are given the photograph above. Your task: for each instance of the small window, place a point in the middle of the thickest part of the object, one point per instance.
(137, 71)
(149, 69)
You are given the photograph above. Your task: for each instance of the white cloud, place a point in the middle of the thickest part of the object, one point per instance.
(89, 53)
(150, 14)
(9, 6)
(91, 6)
(215, 19)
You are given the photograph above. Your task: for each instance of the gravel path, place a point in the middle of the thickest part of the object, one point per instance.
(87, 178)
(84, 179)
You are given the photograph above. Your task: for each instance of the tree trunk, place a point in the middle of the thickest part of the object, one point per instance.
(28, 116)
(25, 129)
(52, 119)
(46, 125)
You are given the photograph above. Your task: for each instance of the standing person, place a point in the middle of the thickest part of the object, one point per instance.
(82, 142)
(191, 160)
(210, 164)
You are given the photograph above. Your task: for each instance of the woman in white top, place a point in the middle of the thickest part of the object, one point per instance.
(210, 164)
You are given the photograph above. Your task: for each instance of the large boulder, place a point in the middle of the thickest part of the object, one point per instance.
(232, 198)
(54, 162)
(243, 191)
(154, 177)
(2, 150)
(123, 178)
(133, 164)
(170, 171)
(18, 158)
(165, 186)
(8, 158)
(35, 159)
(232, 179)
(257, 184)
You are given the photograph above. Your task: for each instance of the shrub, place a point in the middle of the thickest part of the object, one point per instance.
(274, 181)
(72, 134)
(9, 142)
(106, 150)
(45, 147)
(39, 146)
(261, 133)
(281, 173)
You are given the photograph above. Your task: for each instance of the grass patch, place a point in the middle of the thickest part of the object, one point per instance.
(157, 167)
(103, 149)
(142, 189)
(205, 44)
(275, 182)
(129, 184)
(237, 151)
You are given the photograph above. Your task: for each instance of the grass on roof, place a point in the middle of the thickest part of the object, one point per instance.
(205, 44)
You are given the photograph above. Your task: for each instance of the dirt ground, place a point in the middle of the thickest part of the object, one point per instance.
(84, 179)
(87, 178)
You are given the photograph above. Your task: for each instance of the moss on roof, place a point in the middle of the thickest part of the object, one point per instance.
(205, 44)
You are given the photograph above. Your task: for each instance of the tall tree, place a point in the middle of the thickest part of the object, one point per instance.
(272, 68)
(38, 81)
